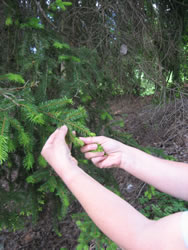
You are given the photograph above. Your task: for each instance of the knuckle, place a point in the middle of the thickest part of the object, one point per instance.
(86, 156)
(93, 160)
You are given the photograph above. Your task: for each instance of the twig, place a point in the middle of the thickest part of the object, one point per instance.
(140, 190)
(12, 100)
(44, 15)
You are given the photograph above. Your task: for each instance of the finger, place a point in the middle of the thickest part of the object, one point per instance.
(102, 164)
(88, 147)
(96, 160)
(52, 137)
(90, 155)
(60, 136)
(107, 163)
(94, 139)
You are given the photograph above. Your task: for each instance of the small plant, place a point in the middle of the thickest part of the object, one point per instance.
(89, 233)
(160, 204)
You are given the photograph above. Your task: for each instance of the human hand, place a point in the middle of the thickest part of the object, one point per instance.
(112, 155)
(56, 151)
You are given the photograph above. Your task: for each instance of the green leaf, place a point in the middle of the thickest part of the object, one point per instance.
(92, 134)
(3, 148)
(86, 247)
(75, 59)
(28, 161)
(67, 3)
(49, 186)
(59, 45)
(52, 183)
(33, 115)
(42, 162)
(121, 124)
(13, 77)
(78, 223)
(99, 149)
(63, 58)
(106, 116)
(8, 21)
(76, 114)
(11, 145)
(78, 143)
(86, 98)
(24, 138)
(37, 176)
(30, 179)
(33, 23)
(55, 104)
(65, 201)
(60, 4)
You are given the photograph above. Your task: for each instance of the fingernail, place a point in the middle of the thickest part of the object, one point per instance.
(93, 146)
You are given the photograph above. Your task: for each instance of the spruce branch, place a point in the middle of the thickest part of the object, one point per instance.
(55, 103)
(23, 137)
(11, 99)
(76, 114)
(37, 176)
(3, 125)
(28, 161)
(78, 127)
(50, 185)
(3, 148)
(32, 114)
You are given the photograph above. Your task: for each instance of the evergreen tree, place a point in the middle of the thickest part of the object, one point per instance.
(43, 83)
(60, 64)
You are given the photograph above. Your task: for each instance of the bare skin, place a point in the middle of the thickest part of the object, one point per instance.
(114, 216)
(163, 174)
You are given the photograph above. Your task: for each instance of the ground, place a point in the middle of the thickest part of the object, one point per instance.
(151, 125)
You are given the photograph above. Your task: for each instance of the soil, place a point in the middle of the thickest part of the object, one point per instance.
(150, 126)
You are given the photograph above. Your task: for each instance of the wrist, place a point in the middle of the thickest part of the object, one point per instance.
(67, 172)
(129, 157)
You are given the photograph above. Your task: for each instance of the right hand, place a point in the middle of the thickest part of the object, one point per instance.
(112, 155)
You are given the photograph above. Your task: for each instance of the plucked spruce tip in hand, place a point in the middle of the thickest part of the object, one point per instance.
(115, 217)
(77, 142)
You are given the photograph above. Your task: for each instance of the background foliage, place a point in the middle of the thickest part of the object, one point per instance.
(61, 62)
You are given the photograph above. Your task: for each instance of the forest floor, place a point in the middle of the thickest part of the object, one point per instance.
(157, 126)
(150, 125)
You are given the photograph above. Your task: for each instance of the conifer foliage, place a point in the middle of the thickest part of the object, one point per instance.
(24, 128)
(37, 95)
(59, 64)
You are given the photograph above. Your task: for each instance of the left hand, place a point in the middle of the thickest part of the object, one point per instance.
(56, 151)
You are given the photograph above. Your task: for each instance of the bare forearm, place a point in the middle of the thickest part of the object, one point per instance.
(119, 220)
(167, 176)
(114, 216)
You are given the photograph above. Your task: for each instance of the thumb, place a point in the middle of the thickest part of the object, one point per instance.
(61, 134)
